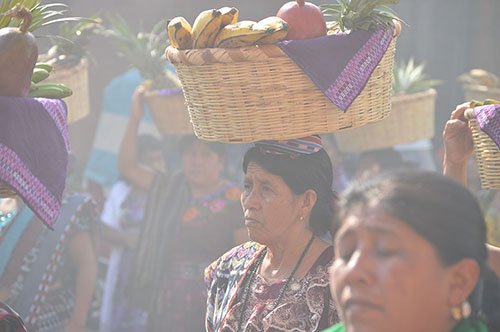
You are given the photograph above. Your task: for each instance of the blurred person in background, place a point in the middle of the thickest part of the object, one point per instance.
(191, 217)
(49, 276)
(374, 162)
(411, 256)
(122, 220)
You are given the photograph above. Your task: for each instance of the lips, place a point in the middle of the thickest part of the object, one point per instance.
(360, 305)
(250, 221)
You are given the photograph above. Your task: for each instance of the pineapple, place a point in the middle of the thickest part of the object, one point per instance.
(144, 51)
(71, 44)
(410, 78)
(355, 15)
(42, 14)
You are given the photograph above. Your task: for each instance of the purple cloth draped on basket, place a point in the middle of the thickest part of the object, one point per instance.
(169, 92)
(34, 149)
(340, 64)
(488, 120)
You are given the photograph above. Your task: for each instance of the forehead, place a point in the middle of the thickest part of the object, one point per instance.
(374, 221)
(255, 172)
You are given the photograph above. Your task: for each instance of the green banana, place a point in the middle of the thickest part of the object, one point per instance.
(491, 102)
(51, 91)
(45, 66)
(475, 103)
(39, 75)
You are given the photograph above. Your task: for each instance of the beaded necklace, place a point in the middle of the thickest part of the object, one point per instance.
(253, 274)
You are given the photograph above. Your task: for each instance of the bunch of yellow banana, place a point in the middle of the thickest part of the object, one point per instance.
(204, 30)
(246, 33)
(46, 90)
(480, 77)
(220, 28)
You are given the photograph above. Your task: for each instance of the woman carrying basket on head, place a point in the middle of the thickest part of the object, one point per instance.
(191, 218)
(278, 281)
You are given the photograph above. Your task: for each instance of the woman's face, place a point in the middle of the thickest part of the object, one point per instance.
(202, 166)
(387, 278)
(269, 205)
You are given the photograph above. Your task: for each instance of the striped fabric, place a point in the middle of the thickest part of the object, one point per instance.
(102, 165)
(305, 145)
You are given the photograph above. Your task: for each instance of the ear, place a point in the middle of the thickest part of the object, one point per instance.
(463, 278)
(309, 198)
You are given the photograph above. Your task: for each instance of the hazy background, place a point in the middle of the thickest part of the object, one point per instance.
(451, 36)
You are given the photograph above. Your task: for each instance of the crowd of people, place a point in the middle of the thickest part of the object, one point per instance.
(400, 249)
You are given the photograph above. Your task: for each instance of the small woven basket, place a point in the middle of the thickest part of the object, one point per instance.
(480, 92)
(411, 119)
(255, 93)
(6, 191)
(169, 113)
(487, 155)
(77, 79)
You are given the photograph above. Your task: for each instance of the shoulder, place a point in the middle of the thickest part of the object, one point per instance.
(234, 259)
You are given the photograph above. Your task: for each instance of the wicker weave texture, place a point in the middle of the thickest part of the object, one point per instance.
(411, 119)
(255, 93)
(169, 113)
(487, 155)
(77, 79)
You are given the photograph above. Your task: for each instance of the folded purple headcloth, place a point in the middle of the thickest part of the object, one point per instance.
(340, 64)
(488, 120)
(34, 150)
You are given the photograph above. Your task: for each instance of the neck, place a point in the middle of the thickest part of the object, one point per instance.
(282, 256)
(199, 191)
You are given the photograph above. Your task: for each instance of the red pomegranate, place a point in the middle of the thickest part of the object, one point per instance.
(305, 20)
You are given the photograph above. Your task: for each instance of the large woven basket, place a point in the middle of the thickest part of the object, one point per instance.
(255, 93)
(487, 155)
(77, 79)
(411, 119)
(169, 113)
(480, 92)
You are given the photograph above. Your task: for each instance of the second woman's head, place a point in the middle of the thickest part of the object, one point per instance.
(202, 162)
(287, 185)
(410, 251)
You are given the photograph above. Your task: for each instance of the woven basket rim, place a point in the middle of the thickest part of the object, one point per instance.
(253, 53)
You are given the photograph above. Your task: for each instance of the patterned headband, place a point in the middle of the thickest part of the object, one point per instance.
(293, 147)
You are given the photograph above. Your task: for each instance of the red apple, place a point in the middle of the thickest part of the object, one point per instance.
(305, 20)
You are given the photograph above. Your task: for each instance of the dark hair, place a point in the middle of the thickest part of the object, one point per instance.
(219, 148)
(300, 173)
(147, 143)
(443, 212)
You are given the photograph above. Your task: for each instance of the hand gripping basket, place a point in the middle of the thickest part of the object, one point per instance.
(411, 119)
(77, 79)
(487, 154)
(255, 93)
(169, 112)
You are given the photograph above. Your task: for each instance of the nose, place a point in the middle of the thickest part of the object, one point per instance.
(249, 200)
(360, 268)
